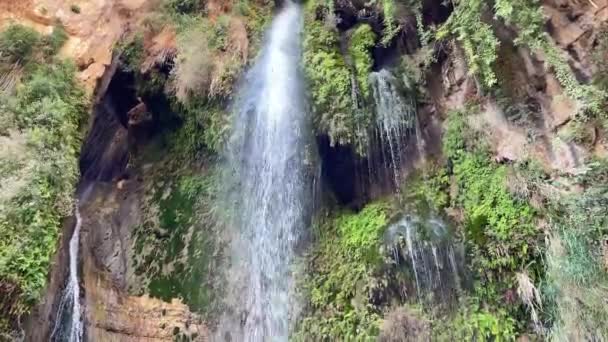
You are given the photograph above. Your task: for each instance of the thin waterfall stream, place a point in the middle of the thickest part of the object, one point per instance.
(270, 189)
(68, 323)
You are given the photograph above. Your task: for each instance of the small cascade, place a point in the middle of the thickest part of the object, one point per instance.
(68, 322)
(395, 117)
(426, 250)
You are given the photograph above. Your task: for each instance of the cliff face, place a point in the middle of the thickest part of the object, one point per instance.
(93, 27)
(147, 204)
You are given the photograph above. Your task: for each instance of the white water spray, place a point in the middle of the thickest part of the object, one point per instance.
(427, 249)
(395, 116)
(68, 323)
(266, 154)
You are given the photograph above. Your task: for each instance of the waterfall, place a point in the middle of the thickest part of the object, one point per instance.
(68, 323)
(266, 157)
(395, 116)
(425, 247)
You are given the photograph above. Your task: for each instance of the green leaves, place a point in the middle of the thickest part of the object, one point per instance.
(476, 37)
(17, 44)
(46, 111)
(343, 268)
(362, 40)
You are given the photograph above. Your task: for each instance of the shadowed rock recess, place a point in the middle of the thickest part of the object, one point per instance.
(259, 170)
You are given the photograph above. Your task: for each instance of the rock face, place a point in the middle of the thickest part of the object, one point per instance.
(111, 314)
(93, 27)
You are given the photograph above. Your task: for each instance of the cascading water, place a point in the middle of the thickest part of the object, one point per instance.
(426, 248)
(68, 323)
(395, 116)
(266, 154)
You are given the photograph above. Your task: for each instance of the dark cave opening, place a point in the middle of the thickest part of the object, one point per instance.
(341, 172)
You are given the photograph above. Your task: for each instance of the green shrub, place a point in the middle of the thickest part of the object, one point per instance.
(500, 231)
(472, 323)
(342, 271)
(183, 6)
(205, 128)
(576, 259)
(47, 110)
(331, 89)
(18, 44)
(132, 53)
(75, 9)
(53, 42)
(475, 36)
(362, 40)
(391, 27)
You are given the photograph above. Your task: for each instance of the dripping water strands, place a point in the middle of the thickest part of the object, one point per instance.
(267, 186)
(425, 249)
(395, 112)
(68, 322)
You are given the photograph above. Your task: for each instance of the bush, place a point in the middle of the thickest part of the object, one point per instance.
(331, 87)
(404, 325)
(362, 40)
(342, 272)
(18, 44)
(53, 42)
(193, 68)
(577, 259)
(183, 6)
(499, 228)
(47, 110)
(475, 36)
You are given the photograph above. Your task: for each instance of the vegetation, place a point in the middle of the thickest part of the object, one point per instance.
(177, 247)
(346, 261)
(339, 111)
(362, 40)
(18, 44)
(330, 85)
(476, 38)
(577, 259)
(38, 164)
(499, 228)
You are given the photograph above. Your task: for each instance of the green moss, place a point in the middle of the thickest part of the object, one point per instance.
(343, 266)
(335, 111)
(391, 26)
(362, 40)
(178, 245)
(500, 231)
(55, 41)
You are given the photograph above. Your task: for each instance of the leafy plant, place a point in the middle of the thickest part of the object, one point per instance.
(577, 259)
(362, 40)
(499, 227)
(18, 44)
(53, 42)
(476, 37)
(335, 112)
(345, 263)
(47, 111)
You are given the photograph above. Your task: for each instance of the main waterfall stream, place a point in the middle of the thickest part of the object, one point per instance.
(269, 187)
